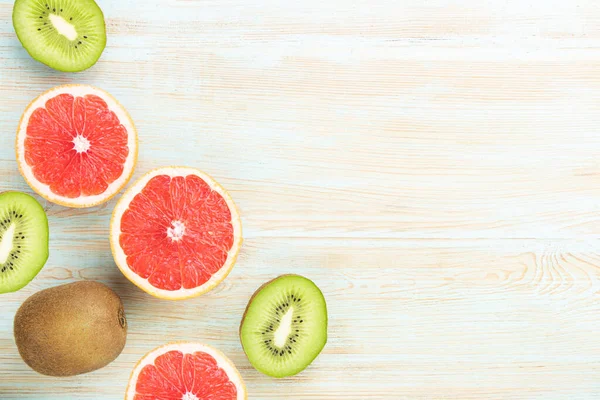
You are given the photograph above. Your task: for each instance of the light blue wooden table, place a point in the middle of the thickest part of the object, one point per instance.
(431, 165)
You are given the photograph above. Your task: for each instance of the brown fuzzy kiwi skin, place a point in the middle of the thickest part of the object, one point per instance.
(71, 329)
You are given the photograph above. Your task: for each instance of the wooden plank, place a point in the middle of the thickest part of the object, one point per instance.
(432, 165)
(409, 319)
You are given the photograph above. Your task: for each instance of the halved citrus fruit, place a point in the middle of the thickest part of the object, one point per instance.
(76, 146)
(176, 233)
(185, 371)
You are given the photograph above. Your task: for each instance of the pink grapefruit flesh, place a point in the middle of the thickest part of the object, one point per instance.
(76, 146)
(176, 233)
(185, 371)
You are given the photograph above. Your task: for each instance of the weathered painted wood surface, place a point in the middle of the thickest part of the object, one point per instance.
(432, 165)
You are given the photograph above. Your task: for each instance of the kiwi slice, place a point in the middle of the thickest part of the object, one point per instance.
(284, 327)
(23, 240)
(67, 35)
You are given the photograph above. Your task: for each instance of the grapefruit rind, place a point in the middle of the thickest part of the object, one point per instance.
(187, 348)
(121, 258)
(43, 189)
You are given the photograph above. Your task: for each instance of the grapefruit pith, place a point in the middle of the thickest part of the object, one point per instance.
(185, 371)
(175, 233)
(76, 146)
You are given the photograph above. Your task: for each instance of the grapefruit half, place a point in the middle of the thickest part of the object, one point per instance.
(185, 371)
(76, 146)
(175, 233)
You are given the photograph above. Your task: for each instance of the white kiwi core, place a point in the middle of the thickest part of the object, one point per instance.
(6, 244)
(63, 27)
(284, 329)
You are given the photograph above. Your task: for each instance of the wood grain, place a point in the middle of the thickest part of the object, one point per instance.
(432, 165)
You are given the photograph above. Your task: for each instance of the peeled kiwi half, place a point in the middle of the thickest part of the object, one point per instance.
(67, 35)
(284, 327)
(23, 240)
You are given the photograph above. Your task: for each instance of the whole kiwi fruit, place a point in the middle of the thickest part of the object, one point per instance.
(71, 329)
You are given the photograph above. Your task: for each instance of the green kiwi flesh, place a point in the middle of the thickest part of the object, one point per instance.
(23, 240)
(67, 35)
(284, 327)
